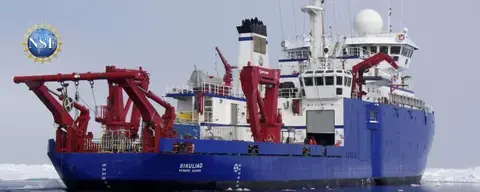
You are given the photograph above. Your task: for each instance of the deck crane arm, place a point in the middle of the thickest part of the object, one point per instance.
(360, 68)
(131, 81)
(266, 124)
(81, 122)
(114, 113)
(168, 118)
(228, 77)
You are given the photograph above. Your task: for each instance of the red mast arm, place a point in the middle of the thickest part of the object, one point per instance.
(60, 116)
(169, 114)
(146, 109)
(266, 125)
(78, 77)
(359, 69)
(228, 77)
(82, 121)
(133, 82)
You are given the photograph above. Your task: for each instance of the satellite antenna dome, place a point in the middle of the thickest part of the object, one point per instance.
(368, 22)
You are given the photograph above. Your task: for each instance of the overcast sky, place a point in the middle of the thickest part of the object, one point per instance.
(169, 37)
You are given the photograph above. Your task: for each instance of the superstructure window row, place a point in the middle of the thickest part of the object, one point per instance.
(326, 78)
(404, 50)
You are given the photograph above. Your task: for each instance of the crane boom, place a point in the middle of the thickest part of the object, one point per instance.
(264, 118)
(360, 68)
(228, 77)
(113, 115)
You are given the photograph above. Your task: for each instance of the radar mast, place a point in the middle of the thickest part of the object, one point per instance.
(317, 37)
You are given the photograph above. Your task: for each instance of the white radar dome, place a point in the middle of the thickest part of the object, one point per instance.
(368, 22)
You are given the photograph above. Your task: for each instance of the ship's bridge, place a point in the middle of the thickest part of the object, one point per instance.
(370, 38)
(328, 83)
(395, 45)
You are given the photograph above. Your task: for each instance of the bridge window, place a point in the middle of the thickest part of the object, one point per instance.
(300, 54)
(319, 81)
(329, 71)
(365, 50)
(329, 80)
(395, 58)
(355, 51)
(339, 80)
(308, 81)
(348, 81)
(339, 91)
(384, 49)
(286, 85)
(373, 49)
(395, 50)
(407, 51)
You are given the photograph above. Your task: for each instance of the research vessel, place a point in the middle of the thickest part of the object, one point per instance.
(337, 112)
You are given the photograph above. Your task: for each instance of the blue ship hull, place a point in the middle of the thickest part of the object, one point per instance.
(392, 151)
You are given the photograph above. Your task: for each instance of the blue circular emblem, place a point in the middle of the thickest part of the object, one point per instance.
(42, 43)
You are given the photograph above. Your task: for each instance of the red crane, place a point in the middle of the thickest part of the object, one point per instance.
(228, 77)
(80, 124)
(71, 136)
(264, 119)
(360, 68)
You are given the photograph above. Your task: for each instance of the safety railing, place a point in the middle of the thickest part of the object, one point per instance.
(101, 111)
(404, 101)
(296, 54)
(289, 93)
(206, 88)
(220, 133)
(92, 145)
(381, 34)
(114, 141)
(409, 101)
(303, 67)
(351, 51)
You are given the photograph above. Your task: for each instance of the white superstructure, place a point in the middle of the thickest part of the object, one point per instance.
(316, 77)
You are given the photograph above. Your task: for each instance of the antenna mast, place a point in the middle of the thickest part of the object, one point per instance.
(317, 36)
(389, 20)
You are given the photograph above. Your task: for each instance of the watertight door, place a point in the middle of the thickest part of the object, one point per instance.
(234, 114)
(373, 125)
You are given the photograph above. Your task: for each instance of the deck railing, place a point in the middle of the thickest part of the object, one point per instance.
(289, 93)
(206, 88)
(114, 141)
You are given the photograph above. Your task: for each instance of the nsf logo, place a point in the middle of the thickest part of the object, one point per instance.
(42, 43)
